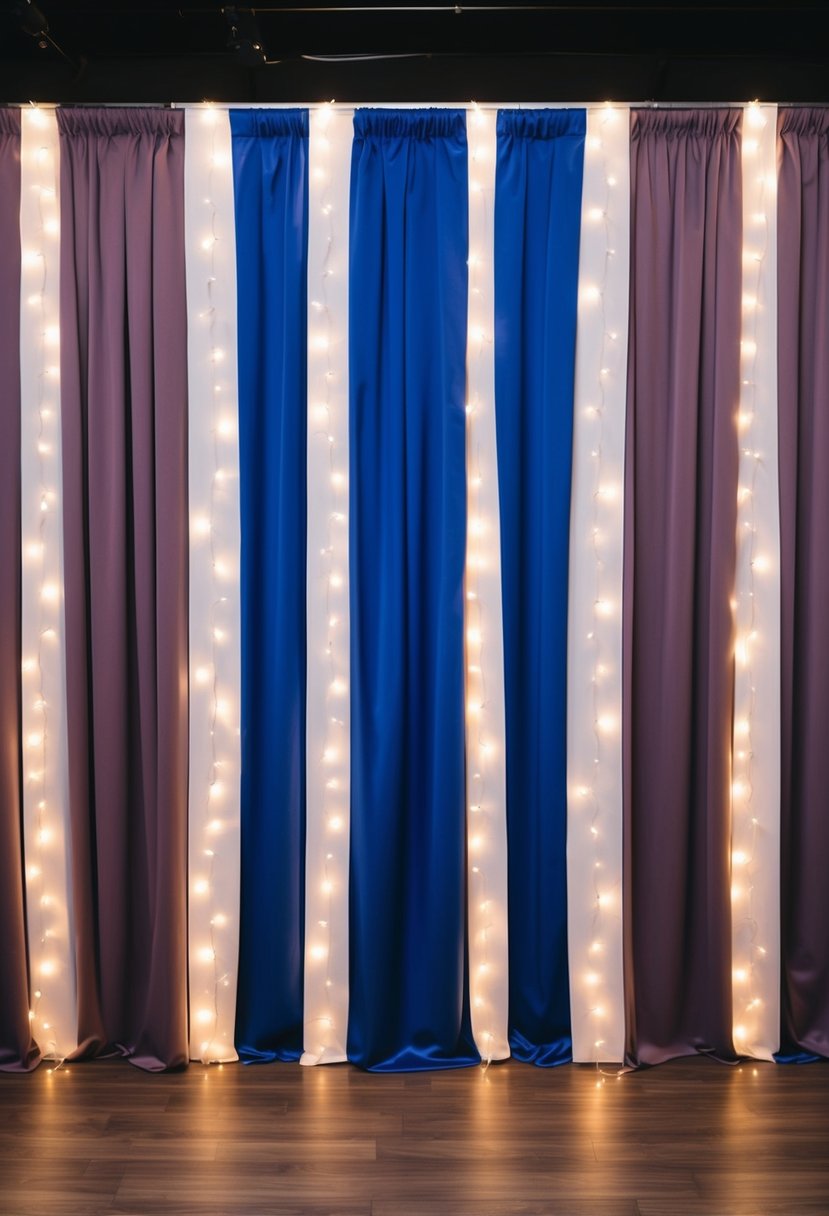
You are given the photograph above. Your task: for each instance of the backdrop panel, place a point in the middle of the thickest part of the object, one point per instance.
(803, 285)
(124, 414)
(270, 172)
(680, 521)
(18, 1051)
(537, 222)
(408, 306)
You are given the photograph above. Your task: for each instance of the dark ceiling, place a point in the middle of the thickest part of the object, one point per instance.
(61, 51)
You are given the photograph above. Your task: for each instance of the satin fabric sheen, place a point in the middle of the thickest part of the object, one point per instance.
(409, 1004)
(270, 177)
(537, 222)
(18, 1052)
(803, 286)
(680, 551)
(123, 322)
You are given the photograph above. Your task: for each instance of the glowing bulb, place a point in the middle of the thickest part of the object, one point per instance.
(754, 115)
(50, 592)
(201, 886)
(202, 675)
(207, 954)
(318, 952)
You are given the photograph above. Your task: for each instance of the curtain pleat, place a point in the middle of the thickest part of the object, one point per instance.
(270, 173)
(18, 1052)
(124, 409)
(537, 223)
(409, 1003)
(680, 522)
(803, 370)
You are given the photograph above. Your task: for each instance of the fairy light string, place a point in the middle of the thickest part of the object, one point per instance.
(45, 751)
(594, 648)
(485, 726)
(755, 756)
(327, 683)
(214, 587)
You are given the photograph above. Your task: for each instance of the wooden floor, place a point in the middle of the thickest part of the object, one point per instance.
(688, 1137)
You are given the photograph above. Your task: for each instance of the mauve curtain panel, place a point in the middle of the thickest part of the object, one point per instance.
(803, 372)
(537, 224)
(680, 548)
(17, 1050)
(270, 177)
(409, 999)
(124, 407)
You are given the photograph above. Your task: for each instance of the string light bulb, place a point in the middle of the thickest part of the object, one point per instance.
(594, 627)
(755, 774)
(214, 581)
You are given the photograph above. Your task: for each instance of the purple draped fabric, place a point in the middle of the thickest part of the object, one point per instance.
(803, 370)
(680, 547)
(124, 408)
(17, 1050)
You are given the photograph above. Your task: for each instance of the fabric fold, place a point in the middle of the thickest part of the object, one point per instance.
(18, 1052)
(124, 411)
(680, 550)
(409, 1001)
(270, 174)
(537, 223)
(803, 387)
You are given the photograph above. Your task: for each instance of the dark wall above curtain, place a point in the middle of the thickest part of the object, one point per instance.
(153, 51)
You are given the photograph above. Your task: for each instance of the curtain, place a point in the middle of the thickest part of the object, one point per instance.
(409, 1004)
(270, 173)
(537, 223)
(124, 408)
(17, 1050)
(680, 522)
(803, 370)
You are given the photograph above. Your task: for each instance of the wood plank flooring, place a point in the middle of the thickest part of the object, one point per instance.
(689, 1137)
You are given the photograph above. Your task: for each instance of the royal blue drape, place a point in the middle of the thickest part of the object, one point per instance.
(270, 178)
(537, 224)
(409, 1006)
